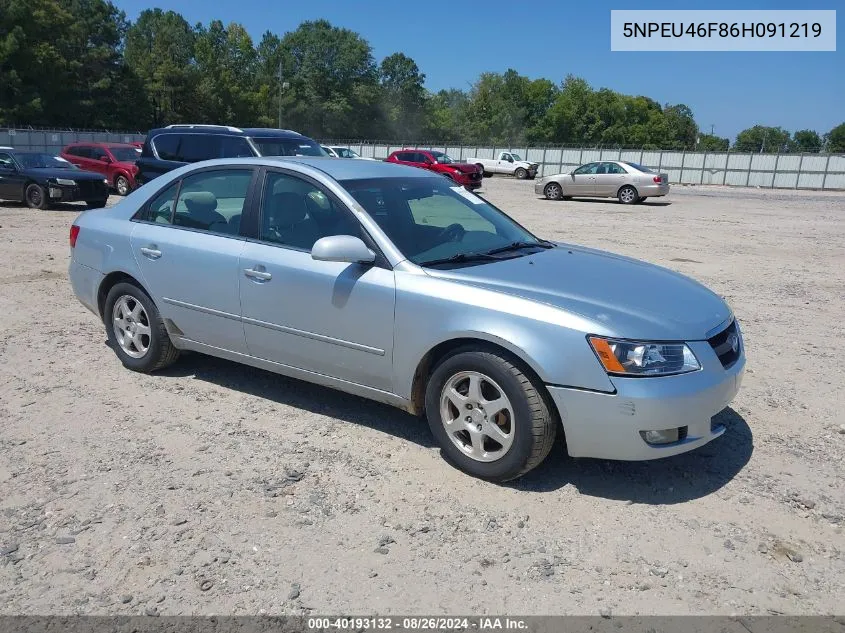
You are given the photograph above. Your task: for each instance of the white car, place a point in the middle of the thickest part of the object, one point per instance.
(343, 152)
(507, 163)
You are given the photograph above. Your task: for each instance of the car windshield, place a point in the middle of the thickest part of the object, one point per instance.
(288, 147)
(125, 154)
(440, 157)
(346, 153)
(516, 156)
(645, 170)
(37, 160)
(430, 220)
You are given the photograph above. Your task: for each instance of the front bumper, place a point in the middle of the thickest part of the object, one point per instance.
(608, 426)
(83, 191)
(539, 186)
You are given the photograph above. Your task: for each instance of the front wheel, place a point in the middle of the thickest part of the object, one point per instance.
(136, 330)
(628, 195)
(35, 197)
(490, 418)
(521, 173)
(553, 191)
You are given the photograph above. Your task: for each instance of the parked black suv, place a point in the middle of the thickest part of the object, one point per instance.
(177, 145)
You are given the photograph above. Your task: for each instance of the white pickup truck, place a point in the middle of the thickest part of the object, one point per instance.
(507, 163)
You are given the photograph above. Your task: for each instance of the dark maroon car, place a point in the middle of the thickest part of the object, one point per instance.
(116, 161)
(464, 174)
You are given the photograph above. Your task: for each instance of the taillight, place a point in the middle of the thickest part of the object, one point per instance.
(657, 179)
(74, 233)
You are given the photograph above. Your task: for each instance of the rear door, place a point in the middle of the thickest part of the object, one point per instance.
(187, 243)
(331, 318)
(99, 161)
(609, 178)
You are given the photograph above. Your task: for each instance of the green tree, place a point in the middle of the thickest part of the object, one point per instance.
(713, 143)
(763, 139)
(806, 141)
(334, 87)
(836, 139)
(446, 116)
(402, 96)
(160, 51)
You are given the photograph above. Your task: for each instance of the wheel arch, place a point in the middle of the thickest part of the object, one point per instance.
(627, 184)
(110, 281)
(444, 348)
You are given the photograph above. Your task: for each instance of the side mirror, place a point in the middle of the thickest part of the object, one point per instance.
(342, 248)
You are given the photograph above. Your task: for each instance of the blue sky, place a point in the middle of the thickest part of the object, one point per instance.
(453, 42)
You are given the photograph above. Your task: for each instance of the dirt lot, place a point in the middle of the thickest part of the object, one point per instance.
(215, 488)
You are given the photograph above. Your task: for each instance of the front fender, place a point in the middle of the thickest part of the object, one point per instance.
(431, 311)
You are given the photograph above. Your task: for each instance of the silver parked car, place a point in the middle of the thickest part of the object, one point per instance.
(394, 284)
(629, 182)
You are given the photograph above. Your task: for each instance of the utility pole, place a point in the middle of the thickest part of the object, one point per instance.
(712, 127)
(283, 85)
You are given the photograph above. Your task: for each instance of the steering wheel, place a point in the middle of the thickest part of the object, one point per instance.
(452, 233)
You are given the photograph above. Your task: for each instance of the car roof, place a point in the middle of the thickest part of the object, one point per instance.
(262, 132)
(336, 169)
(99, 144)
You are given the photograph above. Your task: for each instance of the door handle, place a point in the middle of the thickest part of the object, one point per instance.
(150, 251)
(258, 273)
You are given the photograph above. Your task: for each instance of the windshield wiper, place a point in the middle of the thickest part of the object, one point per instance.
(460, 258)
(518, 245)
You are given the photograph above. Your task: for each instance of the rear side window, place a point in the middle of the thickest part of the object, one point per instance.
(197, 147)
(167, 146)
(160, 208)
(81, 150)
(408, 157)
(235, 147)
(213, 200)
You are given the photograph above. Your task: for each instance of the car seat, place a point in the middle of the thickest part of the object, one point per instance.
(286, 221)
(201, 213)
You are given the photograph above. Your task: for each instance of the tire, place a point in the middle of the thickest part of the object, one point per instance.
(154, 350)
(96, 204)
(530, 424)
(553, 191)
(628, 195)
(520, 173)
(481, 169)
(35, 197)
(121, 184)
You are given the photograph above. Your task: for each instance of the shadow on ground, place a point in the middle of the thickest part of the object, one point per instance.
(664, 481)
(647, 203)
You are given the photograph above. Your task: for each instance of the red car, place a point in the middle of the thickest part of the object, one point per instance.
(116, 161)
(464, 174)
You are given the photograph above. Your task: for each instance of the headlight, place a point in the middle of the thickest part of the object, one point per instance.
(65, 181)
(105, 181)
(629, 358)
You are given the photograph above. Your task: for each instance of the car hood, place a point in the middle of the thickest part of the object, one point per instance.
(626, 298)
(526, 163)
(70, 174)
(465, 168)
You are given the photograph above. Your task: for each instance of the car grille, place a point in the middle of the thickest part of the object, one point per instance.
(727, 344)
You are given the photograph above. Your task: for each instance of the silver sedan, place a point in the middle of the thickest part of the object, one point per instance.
(629, 182)
(394, 284)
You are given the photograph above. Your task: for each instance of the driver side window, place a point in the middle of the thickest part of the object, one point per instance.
(6, 162)
(296, 213)
(589, 168)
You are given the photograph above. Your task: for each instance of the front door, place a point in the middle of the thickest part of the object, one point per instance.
(582, 181)
(188, 247)
(11, 180)
(331, 318)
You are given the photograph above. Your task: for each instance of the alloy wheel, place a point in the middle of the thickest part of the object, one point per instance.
(477, 415)
(131, 326)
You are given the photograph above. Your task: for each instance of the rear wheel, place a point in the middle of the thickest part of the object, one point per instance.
(35, 197)
(136, 330)
(553, 191)
(489, 416)
(121, 183)
(628, 195)
(521, 173)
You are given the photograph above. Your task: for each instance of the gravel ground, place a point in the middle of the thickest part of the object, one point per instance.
(212, 488)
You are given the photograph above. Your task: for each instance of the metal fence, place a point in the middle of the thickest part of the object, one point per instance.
(777, 171)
